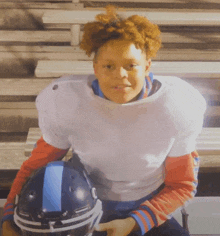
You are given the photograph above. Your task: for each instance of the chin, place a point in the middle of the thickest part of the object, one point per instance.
(123, 101)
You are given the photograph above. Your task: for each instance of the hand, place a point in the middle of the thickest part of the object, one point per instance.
(121, 227)
(8, 229)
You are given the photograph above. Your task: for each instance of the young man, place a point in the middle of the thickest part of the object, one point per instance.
(134, 132)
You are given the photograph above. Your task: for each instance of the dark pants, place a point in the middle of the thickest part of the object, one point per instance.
(120, 210)
(169, 228)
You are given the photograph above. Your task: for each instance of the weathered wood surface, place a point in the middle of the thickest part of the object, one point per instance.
(23, 86)
(17, 105)
(185, 69)
(21, 18)
(11, 155)
(38, 18)
(11, 158)
(7, 176)
(18, 120)
(203, 212)
(63, 36)
(17, 68)
(168, 48)
(33, 36)
(160, 17)
(36, 53)
(21, 4)
(161, 2)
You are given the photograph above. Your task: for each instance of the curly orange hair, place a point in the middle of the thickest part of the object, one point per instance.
(109, 26)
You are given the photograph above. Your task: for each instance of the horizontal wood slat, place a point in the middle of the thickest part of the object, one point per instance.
(74, 53)
(178, 48)
(11, 157)
(167, 17)
(29, 113)
(63, 36)
(40, 5)
(23, 87)
(182, 69)
(34, 36)
(18, 120)
(36, 14)
(17, 105)
(181, 2)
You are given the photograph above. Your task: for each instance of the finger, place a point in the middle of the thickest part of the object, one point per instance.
(103, 226)
(113, 233)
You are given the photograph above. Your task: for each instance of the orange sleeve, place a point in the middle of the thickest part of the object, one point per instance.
(180, 186)
(40, 156)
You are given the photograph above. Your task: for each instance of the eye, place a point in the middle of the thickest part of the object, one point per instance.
(108, 66)
(132, 65)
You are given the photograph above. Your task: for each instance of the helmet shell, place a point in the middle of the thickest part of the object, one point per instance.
(58, 196)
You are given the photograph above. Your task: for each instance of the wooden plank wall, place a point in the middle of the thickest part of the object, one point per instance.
(24, 40)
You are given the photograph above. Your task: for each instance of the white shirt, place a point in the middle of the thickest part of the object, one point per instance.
(123, 146)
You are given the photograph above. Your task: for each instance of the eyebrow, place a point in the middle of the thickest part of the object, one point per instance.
(109, 60)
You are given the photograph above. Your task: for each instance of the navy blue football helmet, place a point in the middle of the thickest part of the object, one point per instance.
(58, 200)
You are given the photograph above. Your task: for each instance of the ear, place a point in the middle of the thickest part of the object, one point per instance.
(147, 66)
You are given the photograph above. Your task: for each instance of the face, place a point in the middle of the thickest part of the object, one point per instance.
(121, 68)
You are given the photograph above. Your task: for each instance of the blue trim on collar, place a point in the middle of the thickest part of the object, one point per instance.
(151, 77)
(96, 88)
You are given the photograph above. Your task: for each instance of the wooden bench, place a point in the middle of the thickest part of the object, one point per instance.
(160, 17)
(17, 103)
(185, 46)
(20, 50)
(186, 68)
(177, 18)
(11, 158)
(203, 216)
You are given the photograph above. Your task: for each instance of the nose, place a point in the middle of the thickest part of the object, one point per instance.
(121, 73)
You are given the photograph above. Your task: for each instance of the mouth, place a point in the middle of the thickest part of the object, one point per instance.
(121, 86)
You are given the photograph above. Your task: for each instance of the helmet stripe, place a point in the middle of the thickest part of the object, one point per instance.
(52, 187)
